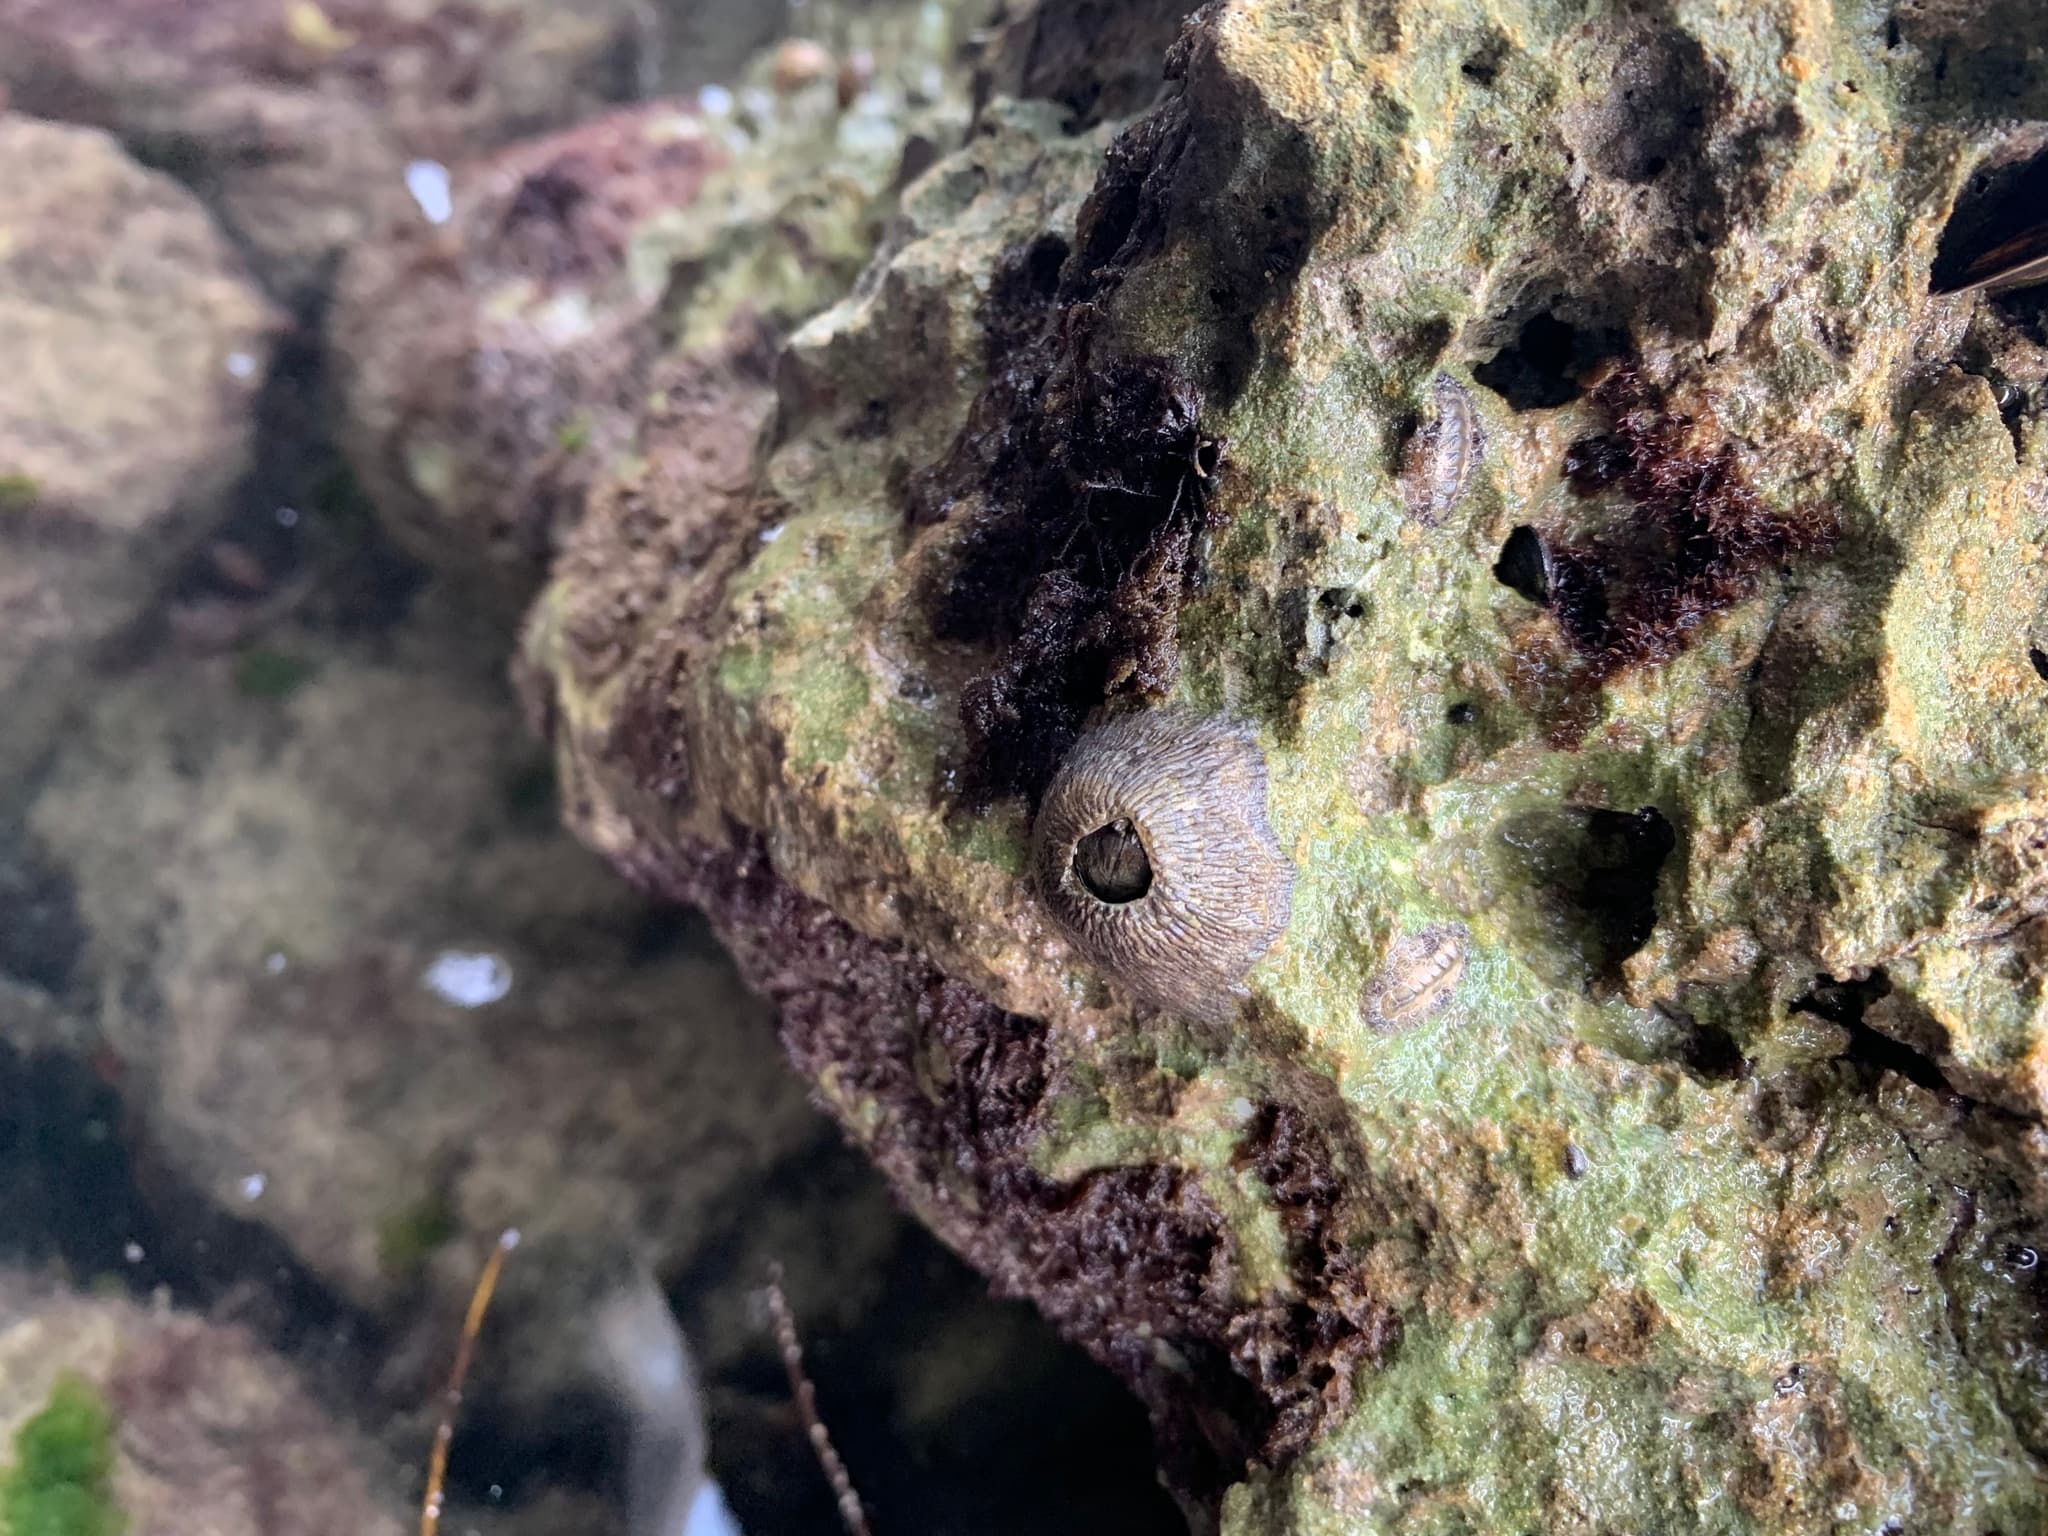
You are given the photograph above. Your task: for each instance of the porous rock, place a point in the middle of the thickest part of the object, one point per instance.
(135, 342)
(1705, 1195)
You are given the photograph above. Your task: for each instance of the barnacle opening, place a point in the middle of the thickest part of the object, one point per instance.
(1112, 865)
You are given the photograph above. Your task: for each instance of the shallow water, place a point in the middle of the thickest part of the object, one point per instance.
(305, 998)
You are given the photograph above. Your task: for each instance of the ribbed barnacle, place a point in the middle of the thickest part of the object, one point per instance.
(1438, 459)
(1153, 851)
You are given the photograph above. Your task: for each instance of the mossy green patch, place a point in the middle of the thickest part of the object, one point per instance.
(61, 1483)
(573, 435)
(261, 673)
(18, 493)
(409, 1236)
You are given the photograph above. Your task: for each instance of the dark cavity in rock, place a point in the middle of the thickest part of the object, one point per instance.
(1624, 855)
(1997, 238)
(1851, 1001)
(1541, 368)
(1524, 566)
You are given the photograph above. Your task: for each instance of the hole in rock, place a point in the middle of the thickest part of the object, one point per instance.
(1524, 565)
(1624, 854)
(1999, 229)
(1541, 368)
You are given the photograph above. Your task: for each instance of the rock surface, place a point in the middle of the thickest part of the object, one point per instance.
(213, 1434)
(363, 999)
(492, 370)
(1535, 424)
(135, 342)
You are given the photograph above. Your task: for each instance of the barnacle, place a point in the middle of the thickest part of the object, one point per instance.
(1153, 851)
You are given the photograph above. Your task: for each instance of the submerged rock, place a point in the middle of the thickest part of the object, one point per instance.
(492, 370)
(298, 119)
(202, 1430)
(135, 343)
(1637, 1123)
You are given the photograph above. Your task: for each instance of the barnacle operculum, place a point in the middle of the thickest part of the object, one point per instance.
(1153, 851)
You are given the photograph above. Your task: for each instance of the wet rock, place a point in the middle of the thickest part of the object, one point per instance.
(493, 369)
(383, 1007)
(369, 1007)
(1736, 812)
(1100, 62)
(298, 121)
(135, 343)
(212, 1434)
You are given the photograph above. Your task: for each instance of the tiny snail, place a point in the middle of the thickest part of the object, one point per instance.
(1153, 852)
(1416, 978)
(1437, 461)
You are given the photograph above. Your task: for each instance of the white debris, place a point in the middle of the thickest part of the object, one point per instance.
(468, 979)
(427, 181)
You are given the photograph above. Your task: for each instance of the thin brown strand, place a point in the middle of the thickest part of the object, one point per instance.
(451, 1399)
(806, 1395)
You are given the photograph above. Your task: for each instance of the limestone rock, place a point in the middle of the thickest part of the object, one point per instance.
(135, 342)
(1691, 736)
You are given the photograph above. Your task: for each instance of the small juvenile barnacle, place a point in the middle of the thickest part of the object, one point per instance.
(1153, 852)
(1438, 459)
(1416, 978)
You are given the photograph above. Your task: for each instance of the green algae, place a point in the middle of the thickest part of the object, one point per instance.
(271, 675)
(61, 1483)
(410, 1236)
(18, 493)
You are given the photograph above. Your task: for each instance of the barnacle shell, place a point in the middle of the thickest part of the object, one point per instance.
(1416, 978)
(1153, 851)
(1437, 463)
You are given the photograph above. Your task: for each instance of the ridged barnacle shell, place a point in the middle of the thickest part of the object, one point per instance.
(1416, 978)
(1437, 462)
(1153, 851)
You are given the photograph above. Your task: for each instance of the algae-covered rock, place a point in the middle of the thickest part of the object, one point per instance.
(494, 369)
(122, 1417)
(133, 341)
(1533, 424)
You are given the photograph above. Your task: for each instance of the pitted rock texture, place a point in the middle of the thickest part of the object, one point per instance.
(1708, 714)
(135, 342)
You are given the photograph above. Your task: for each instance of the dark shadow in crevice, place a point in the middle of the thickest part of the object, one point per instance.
(2000, 223)
(1846, 1002)
(1624, 856)
(1543, 366)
